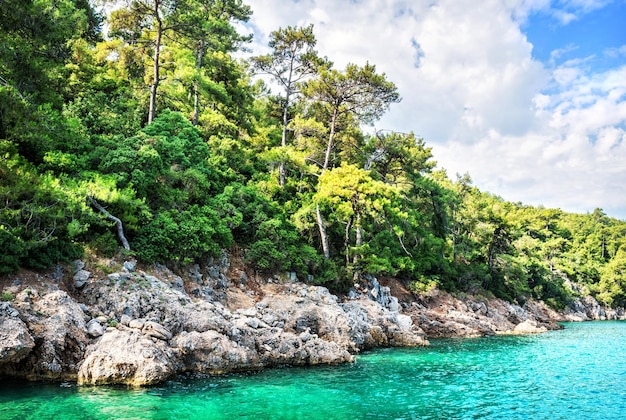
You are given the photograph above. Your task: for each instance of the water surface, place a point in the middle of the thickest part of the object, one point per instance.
(576, 373)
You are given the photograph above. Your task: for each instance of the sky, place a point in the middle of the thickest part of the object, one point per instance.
(526, 96)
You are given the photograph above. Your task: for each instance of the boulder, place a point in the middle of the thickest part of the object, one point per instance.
(15, 340)
(213, 353)
(136, 323)
(529, 327)
(59, 326)
(80, 278)
(127, 358)
(95, 328)
(156, 330)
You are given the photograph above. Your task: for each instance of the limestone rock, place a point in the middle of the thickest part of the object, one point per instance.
(528, 327)
(78, 265)
(125, 320)
(156, 330)
(130, 265)
(221, 326)
(15, 340)
(442, 315)
(56, 324)
(136, 323)
(94, 328)
(127, 358)
(81, 277)
(212, 352)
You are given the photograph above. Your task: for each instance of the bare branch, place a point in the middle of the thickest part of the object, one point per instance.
(118, 222)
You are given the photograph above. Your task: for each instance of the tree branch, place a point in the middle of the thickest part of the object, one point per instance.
(118, 222)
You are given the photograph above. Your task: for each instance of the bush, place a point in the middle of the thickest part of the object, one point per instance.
(12, 251)
(280, 248)
(183, 237)
(105, 243)
(7, 297)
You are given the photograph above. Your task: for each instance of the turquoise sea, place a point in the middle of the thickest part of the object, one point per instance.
(575, 373)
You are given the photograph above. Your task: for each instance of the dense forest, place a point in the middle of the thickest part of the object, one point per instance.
(143, 135)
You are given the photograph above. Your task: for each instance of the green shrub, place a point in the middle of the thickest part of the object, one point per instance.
(7, 297)
(183, 236)
(12, 251)
(105, 243)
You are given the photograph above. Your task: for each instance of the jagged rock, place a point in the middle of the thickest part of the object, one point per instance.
(253, 323)
(81, 277)
(404, 322)
(443, 315)
(163, 330)
(529, 327)
(195, 273)
(371, 326)
(57, 326)
(114, 277)
(156, 330)
(130, 265)
(178, 284)
(125, 320)
(78, 265)
(15, 340)
(212, 352)
(94, 328)
(128, 358)
(587, 308)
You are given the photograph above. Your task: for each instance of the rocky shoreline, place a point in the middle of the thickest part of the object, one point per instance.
(137, 328)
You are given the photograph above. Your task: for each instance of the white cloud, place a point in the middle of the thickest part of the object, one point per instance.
(541, 134)
(616, 52)
(576, 160)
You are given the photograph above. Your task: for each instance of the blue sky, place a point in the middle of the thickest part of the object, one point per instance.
(591, 34)
(527, 96)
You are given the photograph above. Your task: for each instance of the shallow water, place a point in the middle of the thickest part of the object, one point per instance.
(576, 373)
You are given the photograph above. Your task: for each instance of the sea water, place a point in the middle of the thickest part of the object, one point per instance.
(575, 373)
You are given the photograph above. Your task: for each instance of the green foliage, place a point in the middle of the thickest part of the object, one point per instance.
(611, 290)
(13, 250)
(165, 163)
(104, 243)
(7, 297)
(259, 224)
(37, 214)
(183, 237)
(291, 179)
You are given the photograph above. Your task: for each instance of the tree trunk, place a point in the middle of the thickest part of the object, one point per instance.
(358, 243)
(323, 234)
(118, 223)
(196, 94)
(157, 51)
(346, 242)
(331, 136)
(320, 219)
(281, 166)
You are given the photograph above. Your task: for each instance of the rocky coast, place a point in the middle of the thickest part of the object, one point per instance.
(107, 322)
